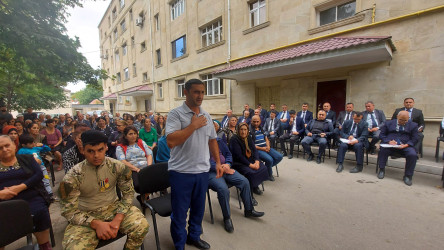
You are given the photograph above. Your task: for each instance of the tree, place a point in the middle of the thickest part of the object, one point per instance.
(39, 55)
(88, 94)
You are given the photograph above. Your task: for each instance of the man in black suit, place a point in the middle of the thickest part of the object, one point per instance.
(375, 119)
(345, 115)
(271, 128)
(331, 115)
(245, 117)
(317, 130)
(415, 115)
(263, 112)
(272, 107)
(305, 115)
(250, 110)
(356, 131)
(296, 130)
(403, 133)
(226, 119)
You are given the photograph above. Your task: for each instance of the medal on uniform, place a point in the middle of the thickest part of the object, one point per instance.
(104, 185)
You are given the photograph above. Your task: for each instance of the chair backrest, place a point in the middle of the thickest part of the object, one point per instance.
(441, 131)
(15, 221)
(154, 178)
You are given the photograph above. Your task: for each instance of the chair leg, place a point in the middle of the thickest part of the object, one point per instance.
(29, 239)
(437, 150)
(155, 230)
(263, 189)
(366, 154)
(239, 198)
(51, 169)
(51, 236)
(377, 163)
(210, 207)
(277, 171)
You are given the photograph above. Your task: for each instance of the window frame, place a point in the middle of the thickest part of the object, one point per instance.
(173, 47)
(211, 29)
(115, 34)
(158, 57)
(123, 25)
(180, 84)
(124, 49)
(209, 80)
(177, 9)
(252, 10)
(160, 90)
(118, 77)
(134, 69)
(335, 6)
(144, 76)
(122, 4)
(142, 46)
(126, 74)
(156, 22)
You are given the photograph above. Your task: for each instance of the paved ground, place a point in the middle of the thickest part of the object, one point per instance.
(310, 206)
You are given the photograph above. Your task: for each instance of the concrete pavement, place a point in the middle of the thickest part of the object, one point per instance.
(310, 206)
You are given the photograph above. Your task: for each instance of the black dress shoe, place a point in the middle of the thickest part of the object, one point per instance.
(290, 156)
(318, 160)
(381, 173)
(253, 213)
(310, 157)
(200, 244)
(407, 180)
(254, 201)
(271, 178)
(228, 225)
(356, 169)
(340, 168)
(257, 191)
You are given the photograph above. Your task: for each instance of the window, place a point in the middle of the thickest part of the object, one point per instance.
(145, 77)
(142, 47)
(180, 88)
(213, 86)
(337, 13)
(177, 8)
(122, 4)
(123, 25)
(156, 21)
(158, 57)
(211, 34)
(128, 100)
(134, 70)
(179, 47)
(124, 49)
(114, 14)
(119, 79)
(126, 73)
(159, 87)
(120, 99)
(257, 12)
(133, 41)
(117, 57)
(109, 21)
(131, 14)
(115, 34)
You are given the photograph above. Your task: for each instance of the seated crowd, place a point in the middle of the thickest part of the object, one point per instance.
(119, 147)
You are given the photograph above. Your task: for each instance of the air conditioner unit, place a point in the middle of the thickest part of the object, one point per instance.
(139, 21)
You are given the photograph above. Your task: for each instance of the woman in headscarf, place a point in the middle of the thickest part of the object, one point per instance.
(12, 132)
(246, 158)
(230, 130)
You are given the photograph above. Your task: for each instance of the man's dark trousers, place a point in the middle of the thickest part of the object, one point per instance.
(359, 152)
(409, 154)
(187, 192)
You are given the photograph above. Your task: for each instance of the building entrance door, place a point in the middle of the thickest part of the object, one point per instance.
(147, 105)
(111, 108)
(333, 92)
(266, 96)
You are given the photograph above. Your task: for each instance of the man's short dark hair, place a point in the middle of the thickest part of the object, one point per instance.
(130, 117)
(272, 104)
(190, 82)
(49, 121)
(359, 114)
(25, 139)
(408, 99)
(292, 112)
(348, 103)
(100, 118)
(274, 112)
(93, 138)
(305, 103)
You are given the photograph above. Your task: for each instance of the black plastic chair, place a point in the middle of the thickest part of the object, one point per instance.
(316, 144)
(15, 222)
(364, 149)
(155, 178)
(297, 143)
(210, 207)
(439, 139)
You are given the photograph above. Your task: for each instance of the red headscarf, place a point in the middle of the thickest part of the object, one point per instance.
(7, 129)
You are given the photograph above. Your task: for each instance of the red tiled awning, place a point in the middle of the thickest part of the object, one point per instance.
(112, 96)
(137, 91)
(325, 54)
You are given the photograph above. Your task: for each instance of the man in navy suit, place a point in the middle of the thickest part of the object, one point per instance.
(272, 108)
(415, 115)
(226, 119)
(331, 115)
(245, 117)
(271, 128)
(284, 117)
(304, 114)
(345, 115)
(375, 119)
(250, 110)
(356, 131)
(263, 112)
(295, 132)
(403, 133)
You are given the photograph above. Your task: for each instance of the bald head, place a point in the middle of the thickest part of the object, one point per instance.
(256, 121)
(403, 117)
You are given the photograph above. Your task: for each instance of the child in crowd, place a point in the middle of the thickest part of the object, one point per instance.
(28, 148)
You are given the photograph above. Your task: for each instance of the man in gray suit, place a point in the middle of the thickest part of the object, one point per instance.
(271, 128)
(375, 119)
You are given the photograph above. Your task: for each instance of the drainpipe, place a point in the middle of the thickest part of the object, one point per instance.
(373, 13)
(153, 103)
(229, 50)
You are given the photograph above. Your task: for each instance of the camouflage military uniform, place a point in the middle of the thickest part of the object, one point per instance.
(84, 197)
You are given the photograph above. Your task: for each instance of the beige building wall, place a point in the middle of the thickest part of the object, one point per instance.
(414, 71)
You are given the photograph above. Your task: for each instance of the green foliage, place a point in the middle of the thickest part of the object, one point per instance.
(88, 94)
(37, 57)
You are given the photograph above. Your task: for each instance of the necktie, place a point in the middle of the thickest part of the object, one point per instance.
(352, 131)
(303, 116)
(401, 128)
(272, 125)
(283, 115)
(410, 114)
(294, 125)
(348, 117)
(225, 123)
(374, 125)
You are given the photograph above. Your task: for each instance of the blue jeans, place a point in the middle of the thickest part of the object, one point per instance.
(270, 159)
(187, 192)
(221, 186)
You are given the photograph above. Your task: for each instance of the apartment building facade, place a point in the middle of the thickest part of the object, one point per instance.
(275, 51)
